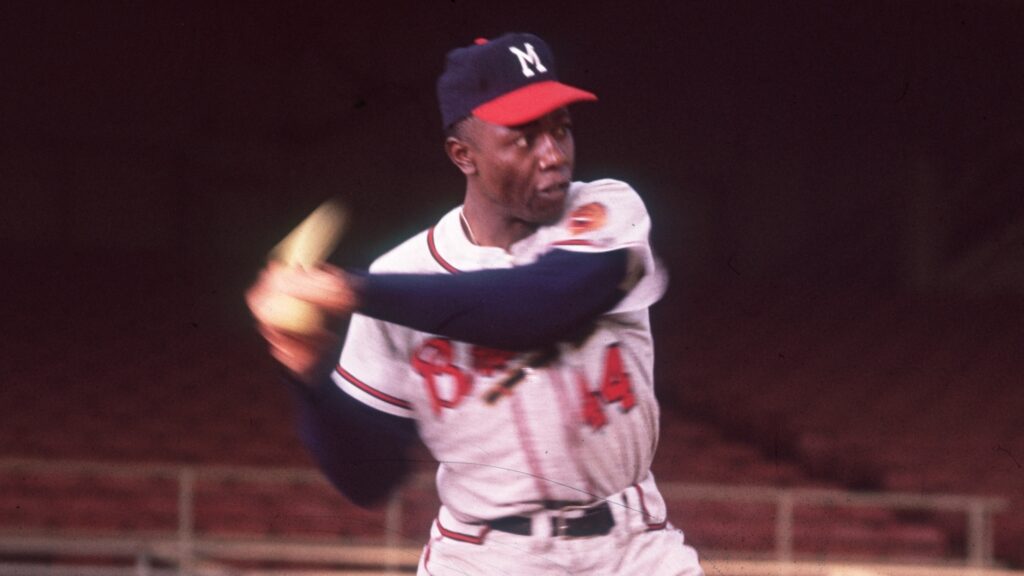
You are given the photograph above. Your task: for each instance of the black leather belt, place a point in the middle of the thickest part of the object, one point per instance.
(594, 521)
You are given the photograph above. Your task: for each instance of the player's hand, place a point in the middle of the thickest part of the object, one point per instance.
(309, 352)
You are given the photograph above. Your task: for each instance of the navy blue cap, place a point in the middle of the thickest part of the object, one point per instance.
(509, 80)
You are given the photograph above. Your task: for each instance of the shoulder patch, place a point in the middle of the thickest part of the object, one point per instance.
(587, 218)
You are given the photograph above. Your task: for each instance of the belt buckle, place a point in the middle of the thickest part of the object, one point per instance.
(559, 526)
(560, 522)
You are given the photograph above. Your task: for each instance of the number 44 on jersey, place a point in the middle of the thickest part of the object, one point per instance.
(616, 387)
(434, 361)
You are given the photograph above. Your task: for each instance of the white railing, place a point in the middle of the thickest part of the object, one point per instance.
(191, 551)
(978, 510)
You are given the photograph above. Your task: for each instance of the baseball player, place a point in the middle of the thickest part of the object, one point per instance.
(512, 337)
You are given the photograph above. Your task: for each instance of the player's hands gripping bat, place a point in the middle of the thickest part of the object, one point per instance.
(298, 300)
(300, 288)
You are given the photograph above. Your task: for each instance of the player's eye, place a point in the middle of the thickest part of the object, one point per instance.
(523, 141)
(562, 130)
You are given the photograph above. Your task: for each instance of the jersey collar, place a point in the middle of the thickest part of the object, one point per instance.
(452, 250)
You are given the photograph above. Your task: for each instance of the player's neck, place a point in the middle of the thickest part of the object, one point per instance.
(485, 226)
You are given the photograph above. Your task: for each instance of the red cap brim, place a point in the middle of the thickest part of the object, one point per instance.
(530, 102)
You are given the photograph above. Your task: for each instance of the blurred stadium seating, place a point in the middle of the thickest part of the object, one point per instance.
(901, 394)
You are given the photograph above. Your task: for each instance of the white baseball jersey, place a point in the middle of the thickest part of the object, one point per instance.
(583, 425)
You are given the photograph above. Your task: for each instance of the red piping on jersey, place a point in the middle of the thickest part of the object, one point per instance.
(437, 255)
(576, 242)
(526, 443)
(426, 560)
(468, 538)
(643, 508)
(373, 391)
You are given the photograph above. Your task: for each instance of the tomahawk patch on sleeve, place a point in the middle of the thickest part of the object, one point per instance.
(609, 215)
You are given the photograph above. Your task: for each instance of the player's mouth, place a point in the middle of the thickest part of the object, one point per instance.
(554, 191)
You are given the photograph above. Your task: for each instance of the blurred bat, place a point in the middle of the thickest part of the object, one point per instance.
(313, 240)
(307, 246)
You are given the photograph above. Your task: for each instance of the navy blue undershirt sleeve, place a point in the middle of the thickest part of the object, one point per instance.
(519, 308)
(362, 451)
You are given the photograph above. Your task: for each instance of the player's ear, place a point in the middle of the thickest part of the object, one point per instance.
(461, 154)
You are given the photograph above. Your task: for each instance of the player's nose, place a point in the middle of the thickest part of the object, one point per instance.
(552, 153)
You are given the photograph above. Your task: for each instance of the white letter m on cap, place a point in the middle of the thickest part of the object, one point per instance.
(526, 58)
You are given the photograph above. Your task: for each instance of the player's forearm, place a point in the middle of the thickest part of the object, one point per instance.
(360, 450)
(514, 309)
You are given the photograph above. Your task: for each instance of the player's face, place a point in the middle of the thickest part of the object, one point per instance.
(525, 170)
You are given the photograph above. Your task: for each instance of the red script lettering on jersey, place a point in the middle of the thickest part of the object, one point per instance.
(487, 361)
(433, 361)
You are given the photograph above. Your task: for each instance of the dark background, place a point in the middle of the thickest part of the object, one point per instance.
(153, 152)
(836, 188)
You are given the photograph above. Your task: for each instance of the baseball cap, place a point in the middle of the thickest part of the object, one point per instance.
(508, 80)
